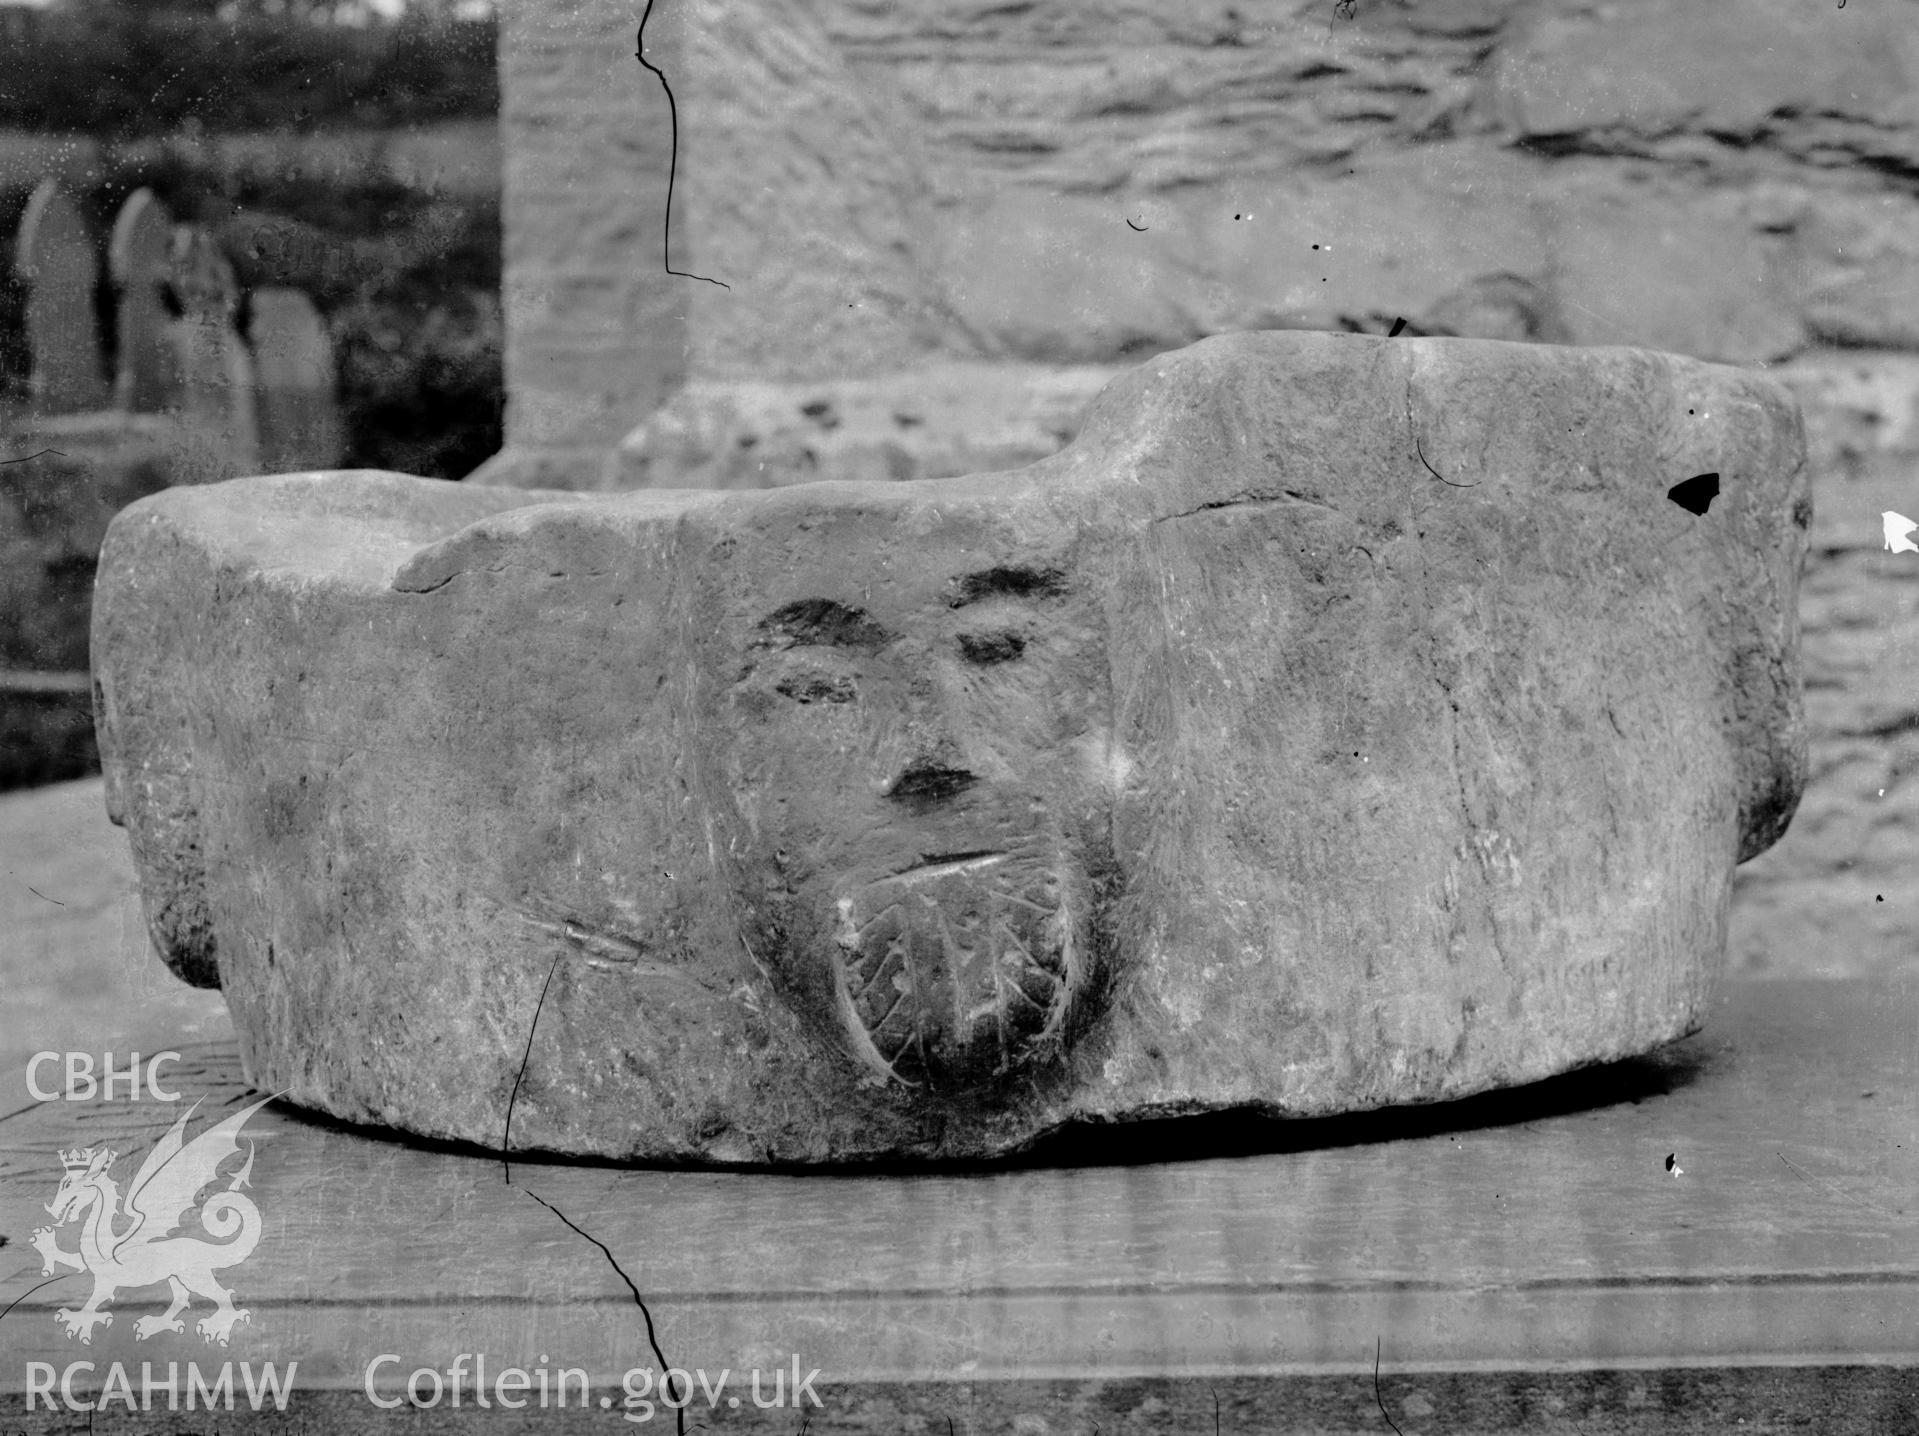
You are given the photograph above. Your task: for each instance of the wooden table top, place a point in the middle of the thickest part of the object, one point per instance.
(1538, 1230)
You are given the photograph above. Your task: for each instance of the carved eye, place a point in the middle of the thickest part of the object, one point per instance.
(992, 646)
(814, 686)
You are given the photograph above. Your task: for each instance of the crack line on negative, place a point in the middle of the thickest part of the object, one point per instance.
(506, 1131)
(639, 1301)
(507, 1165)
(1378, 1345)
(673, 155)
(32, 1289)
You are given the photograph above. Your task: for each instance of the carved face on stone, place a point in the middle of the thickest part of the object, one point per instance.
(923, 765)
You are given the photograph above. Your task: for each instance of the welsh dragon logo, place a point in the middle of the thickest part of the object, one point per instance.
(133, 1241)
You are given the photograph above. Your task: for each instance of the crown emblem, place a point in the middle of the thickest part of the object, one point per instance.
(77, 1159)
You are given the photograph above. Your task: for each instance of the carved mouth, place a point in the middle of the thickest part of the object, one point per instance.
(960, 970)
(939, 864)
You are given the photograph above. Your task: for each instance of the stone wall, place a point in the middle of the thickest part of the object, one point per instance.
(796, 221)
(886, 184)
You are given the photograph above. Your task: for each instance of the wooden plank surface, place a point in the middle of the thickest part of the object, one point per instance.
(1541, 1230)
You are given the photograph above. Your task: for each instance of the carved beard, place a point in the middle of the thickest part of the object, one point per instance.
(962, 973)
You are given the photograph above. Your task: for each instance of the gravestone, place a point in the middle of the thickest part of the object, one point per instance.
(53, 256)
(1338, 721)
(298, 411)
(217, 378)
(139, 257)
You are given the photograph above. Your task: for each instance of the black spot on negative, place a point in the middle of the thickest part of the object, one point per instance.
(1695, 495)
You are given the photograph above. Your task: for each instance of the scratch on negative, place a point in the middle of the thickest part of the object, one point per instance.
(1413, 429)
(1806, 1176)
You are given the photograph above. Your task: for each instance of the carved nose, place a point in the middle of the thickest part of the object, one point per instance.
(935, 757)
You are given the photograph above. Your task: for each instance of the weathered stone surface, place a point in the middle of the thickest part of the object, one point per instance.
(139, 257)
(1627, 75)
(1726, 181)
(1860, 407)
(927, 423)
(53, 255)
(1338, 721)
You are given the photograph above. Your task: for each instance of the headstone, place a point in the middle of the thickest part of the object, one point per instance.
(1338, 721)
(54, 257)
(298, 411)
(216, 371)
(139, 257)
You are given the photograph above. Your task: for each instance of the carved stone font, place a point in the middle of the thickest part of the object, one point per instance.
(1337, 722)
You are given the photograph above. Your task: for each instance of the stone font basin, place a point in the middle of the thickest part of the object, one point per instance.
(1336, 722)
